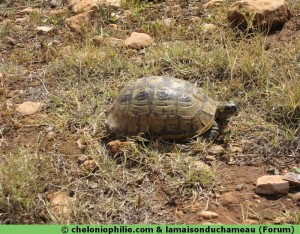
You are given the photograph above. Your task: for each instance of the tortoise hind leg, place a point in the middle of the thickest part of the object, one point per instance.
(213, 132)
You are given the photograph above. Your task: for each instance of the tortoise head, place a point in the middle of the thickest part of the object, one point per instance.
(226, 110)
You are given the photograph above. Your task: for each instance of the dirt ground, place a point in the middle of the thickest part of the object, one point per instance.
(24, 76)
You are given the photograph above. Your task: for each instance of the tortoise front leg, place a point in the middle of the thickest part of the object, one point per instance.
(213, 132)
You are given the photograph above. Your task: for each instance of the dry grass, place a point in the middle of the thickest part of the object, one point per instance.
(79, 81)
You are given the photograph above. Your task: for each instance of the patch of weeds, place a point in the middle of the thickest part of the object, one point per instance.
(23, 179)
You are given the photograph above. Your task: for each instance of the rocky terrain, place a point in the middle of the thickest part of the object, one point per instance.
(62, 64)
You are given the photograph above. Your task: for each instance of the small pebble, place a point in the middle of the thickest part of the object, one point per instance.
(208, 214)
(296, 197)
(239, 187)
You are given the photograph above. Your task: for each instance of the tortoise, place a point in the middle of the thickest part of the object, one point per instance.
(167, 108)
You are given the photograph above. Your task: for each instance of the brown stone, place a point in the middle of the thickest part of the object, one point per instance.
(262, 13)
(81, 144)
(82, 158)
(115, 3)
(202, 166)
(78, 6)
(78, 21)
(88, 166)
(114, 27)
(44, 29)
(174, 11)
(251, 221)
(229, 199)
(235, 149)
(116, 147)
(10, 40)
(296, 197)
(216, 150)
(208, 214)
(293, 178)
(212, 3)
(210, 158)
(138, 40)
(272, 184)
(60, 205)
(55, 3)
(111, 41)
(58, 12)
(209, 27)
(28, 108)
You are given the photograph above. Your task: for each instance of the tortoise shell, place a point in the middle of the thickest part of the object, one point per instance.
(163, 107)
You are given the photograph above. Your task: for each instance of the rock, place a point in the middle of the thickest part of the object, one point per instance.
(6, 22)
(50, 135)
(78, 21)
(293, 178)
(78, 6)
(55, 3)
(28, 108)
(44, 29)
(250, 221)
(114, 26)
(239, 187)
(138, 40)
(206, 223)
(195, 19)
(208, 214)
(82, 158)
(169, 22)
(127, 14)
(10, 41)
(60, 204)
(229, 199)
(115, 3)
(174, 11)
(58, 12)
(216, 150)
(271, 184)
(93, 185)
(88, 166)
(231, 162)
(22, 20)
(116, 147)
(111, 41)
(235, 149)
(263, 13)
(296, 197)
(210, 158)
(209, 27)
(202, 166)
(115, 16)
(179, 213)
(81, 144)
(212, 3)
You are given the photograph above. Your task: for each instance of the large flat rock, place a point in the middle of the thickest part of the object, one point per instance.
(268, 14)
